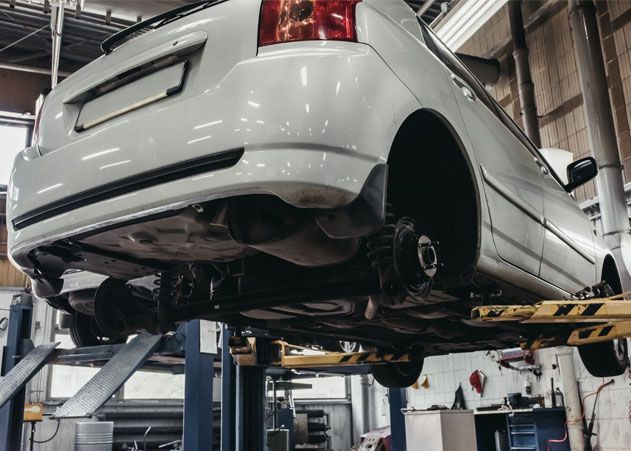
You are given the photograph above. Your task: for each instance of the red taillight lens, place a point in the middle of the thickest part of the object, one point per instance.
(306, 20)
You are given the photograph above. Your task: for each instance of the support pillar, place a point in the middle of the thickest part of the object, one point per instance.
(601, 130)
(397, 400)
(198, 391)
(571, 399)
(17, 346)
(251, 421)
(56, 27)
(522, 68)
(228, 393)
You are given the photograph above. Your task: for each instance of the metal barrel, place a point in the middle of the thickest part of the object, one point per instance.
(94, 436)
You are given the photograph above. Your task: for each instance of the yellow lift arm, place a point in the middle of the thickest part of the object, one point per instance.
(287, 355)
(612, 316)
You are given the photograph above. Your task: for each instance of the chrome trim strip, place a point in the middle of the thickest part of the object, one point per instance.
(512, 197)
(550, 226)
(121, 111)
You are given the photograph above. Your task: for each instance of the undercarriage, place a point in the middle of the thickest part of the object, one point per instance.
(387, 293)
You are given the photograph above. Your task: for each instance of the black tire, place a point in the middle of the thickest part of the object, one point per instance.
(610, 358)
(607, 359)
(398, 375)
(86, 332)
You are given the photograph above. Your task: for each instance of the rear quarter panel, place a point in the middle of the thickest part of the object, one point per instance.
(392, 28)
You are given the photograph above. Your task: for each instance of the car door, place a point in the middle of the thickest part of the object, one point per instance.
(513, 178)
(568, 250)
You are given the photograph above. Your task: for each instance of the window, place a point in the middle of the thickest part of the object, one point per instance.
(13, 139)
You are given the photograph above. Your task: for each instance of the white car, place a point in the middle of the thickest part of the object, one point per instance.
(292, 165)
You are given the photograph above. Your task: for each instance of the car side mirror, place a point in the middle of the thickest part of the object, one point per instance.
(580, 172)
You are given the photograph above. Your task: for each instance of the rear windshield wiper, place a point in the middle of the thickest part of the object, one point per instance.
(163, 18)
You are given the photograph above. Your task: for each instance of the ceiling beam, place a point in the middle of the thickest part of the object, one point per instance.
(461, 23)
(31, 69)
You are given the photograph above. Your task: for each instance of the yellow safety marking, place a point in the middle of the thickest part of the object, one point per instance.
(597, 310)
(614, 312)
(329, 359)
(340, 358)
(599, 333)
(588, 311)
(503, 312)
(543, 342)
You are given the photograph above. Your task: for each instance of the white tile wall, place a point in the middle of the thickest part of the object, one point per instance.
(446, 372)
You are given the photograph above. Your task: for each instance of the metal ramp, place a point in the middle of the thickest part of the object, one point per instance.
(110, 378)
(25, 369)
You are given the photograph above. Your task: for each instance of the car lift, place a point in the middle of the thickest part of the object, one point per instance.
(609, 318)
(250, 353)
(243, 386)
(246, 352)
(21, 361)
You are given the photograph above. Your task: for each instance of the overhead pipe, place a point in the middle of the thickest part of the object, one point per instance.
(601, 133)
(571, 399)
(425, 7)
(522, 68)
(56, 27)
(32, 69)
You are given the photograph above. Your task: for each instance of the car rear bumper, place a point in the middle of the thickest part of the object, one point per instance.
(312, 120)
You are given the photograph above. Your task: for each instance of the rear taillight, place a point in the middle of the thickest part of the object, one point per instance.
(306, 20)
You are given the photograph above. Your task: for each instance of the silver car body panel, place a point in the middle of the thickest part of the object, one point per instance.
(313, 120)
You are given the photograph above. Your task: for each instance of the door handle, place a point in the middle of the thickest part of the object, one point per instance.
(464, 87)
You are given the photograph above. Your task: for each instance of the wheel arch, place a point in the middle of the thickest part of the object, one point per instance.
(449, 195)
(610, 274)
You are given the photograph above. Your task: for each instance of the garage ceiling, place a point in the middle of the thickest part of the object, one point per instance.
(28, 21)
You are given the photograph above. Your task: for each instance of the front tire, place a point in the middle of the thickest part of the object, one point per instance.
(610, 358)
(398, 375)
(607, 359)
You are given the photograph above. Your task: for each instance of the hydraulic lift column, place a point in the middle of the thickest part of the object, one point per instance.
(228, 393)
(397, 400)
(251, 421)
(198, 390)
(17, 346)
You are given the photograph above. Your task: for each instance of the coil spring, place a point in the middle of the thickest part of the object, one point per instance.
(165, 297)
(380, 245)
(165, 290)
(380, 252)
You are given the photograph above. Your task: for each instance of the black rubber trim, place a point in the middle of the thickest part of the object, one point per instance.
(127, 185)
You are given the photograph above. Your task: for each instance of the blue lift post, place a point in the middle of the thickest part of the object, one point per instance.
(17, 346)
(228, 393)
(397, 400)
(198, 392)
(251, 421)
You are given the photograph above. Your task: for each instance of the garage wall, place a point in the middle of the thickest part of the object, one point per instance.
(20, 90)
(554, 73)
(445, 373)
